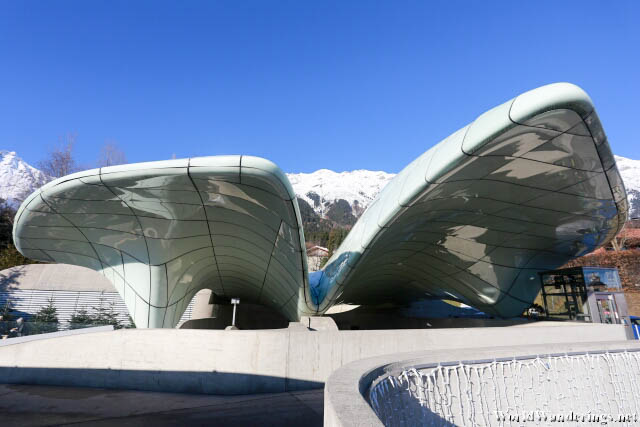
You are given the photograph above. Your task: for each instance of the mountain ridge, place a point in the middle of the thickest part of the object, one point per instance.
(18, 179)
(630, 172)
(327, 198)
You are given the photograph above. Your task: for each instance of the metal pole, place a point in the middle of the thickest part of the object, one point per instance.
(233, 320)
(235, 302)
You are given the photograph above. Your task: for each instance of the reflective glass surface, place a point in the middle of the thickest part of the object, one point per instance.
(162, 231)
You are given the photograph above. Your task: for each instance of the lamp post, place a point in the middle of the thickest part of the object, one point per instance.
(235, 302)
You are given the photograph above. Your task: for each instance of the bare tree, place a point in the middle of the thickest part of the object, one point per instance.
(60, 161)
(111, 155)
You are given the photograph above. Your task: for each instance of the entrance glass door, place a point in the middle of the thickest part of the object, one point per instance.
(607, 309)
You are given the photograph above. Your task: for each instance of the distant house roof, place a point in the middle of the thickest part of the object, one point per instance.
(54, 277)
(317, 251)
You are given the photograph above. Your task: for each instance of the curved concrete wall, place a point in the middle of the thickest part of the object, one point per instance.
(243, 362)
(476, 386)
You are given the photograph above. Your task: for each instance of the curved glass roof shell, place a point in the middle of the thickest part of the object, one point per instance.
(162, 231)
(526, 187)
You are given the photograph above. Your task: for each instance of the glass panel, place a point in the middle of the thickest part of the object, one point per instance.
(556, 306)
(604, 278)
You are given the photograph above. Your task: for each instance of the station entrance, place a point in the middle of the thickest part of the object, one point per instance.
(589, 294)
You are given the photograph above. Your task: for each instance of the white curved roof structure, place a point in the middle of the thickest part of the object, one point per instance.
(162, 231)
(527, 186)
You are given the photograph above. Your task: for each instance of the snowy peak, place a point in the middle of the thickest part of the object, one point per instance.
(630, 171)
(324, 187)
(18, 179)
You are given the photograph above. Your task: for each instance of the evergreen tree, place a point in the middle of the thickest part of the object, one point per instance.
(331, 243)
(6, 223)
(320, 238)
(9, 255)
(336, 236)
(45, 320)
(132, 324)
(6, 312)
(323, 261)
(6, 318)
(105, 314)
(80, 319)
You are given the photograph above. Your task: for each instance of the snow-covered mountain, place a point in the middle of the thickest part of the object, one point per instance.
(325, 191)
(630, 172)
(323, 187)
(360, 187)
(18, 179)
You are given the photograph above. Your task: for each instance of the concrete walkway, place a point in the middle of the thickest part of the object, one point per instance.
(27, 405)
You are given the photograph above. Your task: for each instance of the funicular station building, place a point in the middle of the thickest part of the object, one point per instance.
(484, 218)
(524, 188)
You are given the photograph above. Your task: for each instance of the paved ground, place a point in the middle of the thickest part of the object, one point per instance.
(22, 405)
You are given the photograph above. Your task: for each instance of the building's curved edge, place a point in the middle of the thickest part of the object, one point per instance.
(558, 96)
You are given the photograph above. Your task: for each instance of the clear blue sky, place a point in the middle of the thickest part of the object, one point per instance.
(340, 85)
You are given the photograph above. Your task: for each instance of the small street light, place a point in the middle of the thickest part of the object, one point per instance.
(235, 302)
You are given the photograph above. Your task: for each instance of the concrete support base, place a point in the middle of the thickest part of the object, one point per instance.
(319, 323)
(248, 316)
